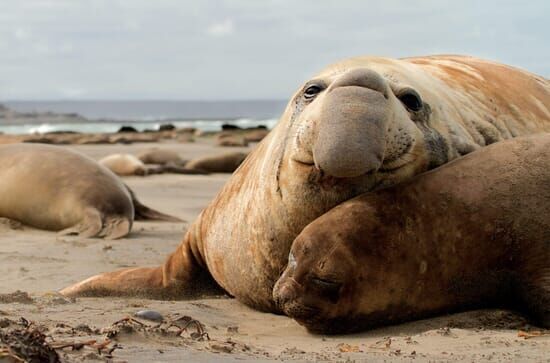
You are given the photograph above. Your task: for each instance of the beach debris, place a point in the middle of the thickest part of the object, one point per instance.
(348, 348)
(222, 347)
(149, 315)
(532, 334)
(26, 345)
(26, 341)
(382, 344)
(174, 327)
(18, 296)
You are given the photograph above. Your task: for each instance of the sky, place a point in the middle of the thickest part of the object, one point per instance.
(242, 49)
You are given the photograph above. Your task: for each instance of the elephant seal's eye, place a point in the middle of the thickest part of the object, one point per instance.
(327, 288)
(411, 99)
(312, 91)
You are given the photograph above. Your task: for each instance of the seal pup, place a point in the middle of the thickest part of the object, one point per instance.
(474, 233)
(360, 125)
(53, 188)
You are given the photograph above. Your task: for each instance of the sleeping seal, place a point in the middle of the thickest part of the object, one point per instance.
(53, 188)
(474, 233)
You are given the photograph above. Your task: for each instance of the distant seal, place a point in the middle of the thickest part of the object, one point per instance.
(124, 164)
(221, 163)
(54, 188)
(360, 125)
(161, 157)
(474, 233)
(231, 139)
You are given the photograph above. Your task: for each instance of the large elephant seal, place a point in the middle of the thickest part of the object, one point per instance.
(53, 188)
(359, 125)
(474, 233)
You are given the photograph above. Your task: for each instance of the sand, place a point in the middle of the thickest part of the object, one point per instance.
(40, 263)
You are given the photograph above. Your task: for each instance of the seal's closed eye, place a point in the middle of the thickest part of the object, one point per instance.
(327, 288)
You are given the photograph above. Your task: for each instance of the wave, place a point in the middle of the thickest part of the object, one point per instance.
(114, 126)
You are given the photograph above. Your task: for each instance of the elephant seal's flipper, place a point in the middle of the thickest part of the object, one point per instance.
(90, 226)
(181, 276)
(144, 213)
(115, 228)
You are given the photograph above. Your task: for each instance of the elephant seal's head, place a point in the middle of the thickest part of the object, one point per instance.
(358, 126)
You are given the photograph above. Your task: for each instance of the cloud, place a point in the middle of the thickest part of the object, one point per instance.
(22, 34)
(242, 49)
(221, 29)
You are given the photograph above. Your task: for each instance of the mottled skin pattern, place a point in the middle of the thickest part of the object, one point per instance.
(359, 125)
(474, 233)
(53, 188)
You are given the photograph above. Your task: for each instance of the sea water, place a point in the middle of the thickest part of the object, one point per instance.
(109, 116)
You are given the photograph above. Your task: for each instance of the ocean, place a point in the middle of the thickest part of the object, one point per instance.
(109, 116)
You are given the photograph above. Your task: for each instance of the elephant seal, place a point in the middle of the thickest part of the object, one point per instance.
(54, 188)
(473, 233)
(230, 139)
(222, 163)
(161, 157)
(124, 164)
(359, 125)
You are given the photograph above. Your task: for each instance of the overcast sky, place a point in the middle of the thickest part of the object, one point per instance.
(238, 49)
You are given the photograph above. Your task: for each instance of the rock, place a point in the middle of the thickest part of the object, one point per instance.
(127, 129)
(167, 127)
(228, 127)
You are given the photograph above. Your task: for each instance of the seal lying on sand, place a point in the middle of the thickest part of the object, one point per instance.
(474, 233)
(57, 189)
(128, 164)
(124, 164)
(359, 125)
(223, 163)
(161, 157)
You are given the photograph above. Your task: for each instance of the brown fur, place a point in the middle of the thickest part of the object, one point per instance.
(474, 233)
(242, 239)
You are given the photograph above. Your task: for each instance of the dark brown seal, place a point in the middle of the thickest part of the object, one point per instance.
(474, 233)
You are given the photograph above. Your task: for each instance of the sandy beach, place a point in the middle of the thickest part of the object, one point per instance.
(40, 263)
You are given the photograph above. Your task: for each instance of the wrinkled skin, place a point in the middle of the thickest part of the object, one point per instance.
(359, 125)
(474, 233)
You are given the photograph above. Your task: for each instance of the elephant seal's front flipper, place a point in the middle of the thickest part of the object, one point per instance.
(181, 276)
(90, 225)
(115, 228)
